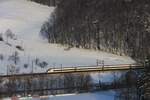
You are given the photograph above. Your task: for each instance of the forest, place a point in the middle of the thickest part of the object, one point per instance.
(118, 26)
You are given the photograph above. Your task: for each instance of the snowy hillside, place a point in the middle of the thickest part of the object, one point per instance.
(23, 17)
(24, 20)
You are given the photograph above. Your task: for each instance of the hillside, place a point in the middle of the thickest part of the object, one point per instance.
(117, 26)
(76, 24)
(46, 2)
(23, 48)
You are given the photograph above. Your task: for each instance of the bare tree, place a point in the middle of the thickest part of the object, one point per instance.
(1, 57)
(9, 34)
(14, 57)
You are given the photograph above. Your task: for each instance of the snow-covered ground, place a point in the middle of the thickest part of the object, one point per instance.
(25, 18)
(108, 95)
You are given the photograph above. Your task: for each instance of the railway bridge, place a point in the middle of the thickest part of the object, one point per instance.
(61, 80)
(82, 69)
(95, 68)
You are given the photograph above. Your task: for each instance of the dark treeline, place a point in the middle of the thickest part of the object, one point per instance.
(144, 81)
(117, 26)
(131, 92)
(65, 83)
(45, 84)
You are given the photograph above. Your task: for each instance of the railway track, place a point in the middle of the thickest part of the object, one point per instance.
(79, 69)
(95, 68)
(27, 81)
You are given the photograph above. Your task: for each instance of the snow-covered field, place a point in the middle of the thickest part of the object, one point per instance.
(108, 95)
(24, 19)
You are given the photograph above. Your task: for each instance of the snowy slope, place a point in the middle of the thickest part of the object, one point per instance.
(87, 96)
(108, 95)
(24, 19)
